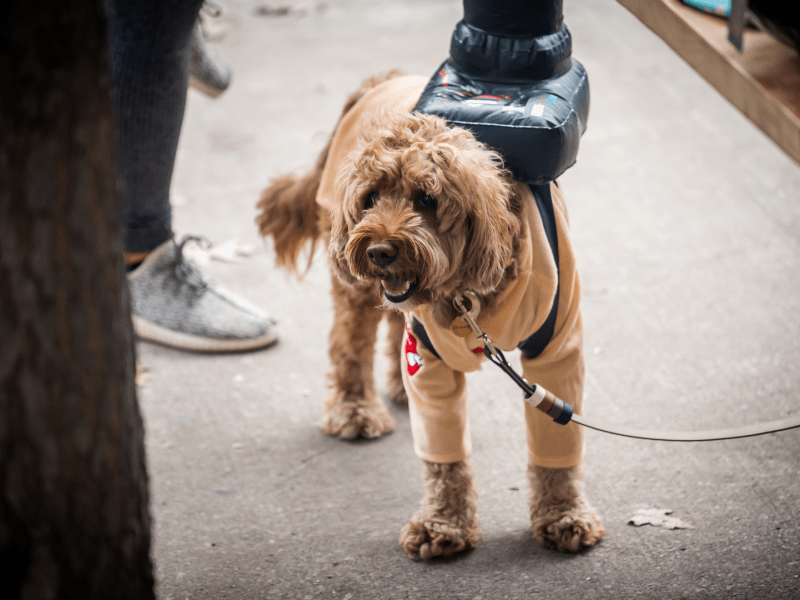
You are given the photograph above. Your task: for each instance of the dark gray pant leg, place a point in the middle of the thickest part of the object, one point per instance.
(149, 41)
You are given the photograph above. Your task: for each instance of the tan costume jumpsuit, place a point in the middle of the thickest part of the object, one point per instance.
(436, 386)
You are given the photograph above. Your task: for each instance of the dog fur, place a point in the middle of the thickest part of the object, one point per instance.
(448, 221)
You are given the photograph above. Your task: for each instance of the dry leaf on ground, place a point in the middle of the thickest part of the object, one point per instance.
(658, 517)
(284, 10)
(229, 252)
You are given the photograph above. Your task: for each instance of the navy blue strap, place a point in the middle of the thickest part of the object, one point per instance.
(418, 329)
(535, 344)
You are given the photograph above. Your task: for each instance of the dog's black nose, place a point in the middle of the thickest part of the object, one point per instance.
(382, 254)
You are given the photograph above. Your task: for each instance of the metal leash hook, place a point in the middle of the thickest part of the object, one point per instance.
(536, 396)
(470, 317)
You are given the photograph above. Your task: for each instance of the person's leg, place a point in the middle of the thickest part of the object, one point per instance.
(172, 303)
(150, 70)
(208, 71)
(520, 18)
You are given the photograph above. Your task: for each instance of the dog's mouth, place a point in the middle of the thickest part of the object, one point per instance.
(396, 289)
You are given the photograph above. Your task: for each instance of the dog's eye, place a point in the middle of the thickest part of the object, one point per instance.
(370, 200)
(426, 201)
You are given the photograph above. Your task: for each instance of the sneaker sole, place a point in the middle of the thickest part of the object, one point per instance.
(209, 91)
(186, 341)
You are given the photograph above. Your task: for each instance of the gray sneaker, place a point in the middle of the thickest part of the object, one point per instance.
(208, 71)
(174, 305)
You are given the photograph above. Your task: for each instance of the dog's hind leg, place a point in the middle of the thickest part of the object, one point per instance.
(354, 409)
(447, 520)
(394, 352)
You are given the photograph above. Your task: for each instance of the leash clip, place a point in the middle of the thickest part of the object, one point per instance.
(470, 317)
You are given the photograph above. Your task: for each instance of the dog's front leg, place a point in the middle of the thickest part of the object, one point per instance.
(447, 520)
(354, 409)
(561, 518)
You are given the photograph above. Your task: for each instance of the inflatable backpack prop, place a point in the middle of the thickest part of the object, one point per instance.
(512, 81)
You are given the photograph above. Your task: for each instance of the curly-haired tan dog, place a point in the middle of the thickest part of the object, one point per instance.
(414, 212)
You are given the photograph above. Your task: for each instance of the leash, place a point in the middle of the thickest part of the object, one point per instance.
(562, 412)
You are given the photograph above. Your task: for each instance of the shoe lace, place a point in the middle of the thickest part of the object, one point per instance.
(182, 270)
(212, 9)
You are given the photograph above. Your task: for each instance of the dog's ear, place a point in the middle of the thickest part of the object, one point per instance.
(491, 230)
(351, 187)
(480, 193)
(336, 246)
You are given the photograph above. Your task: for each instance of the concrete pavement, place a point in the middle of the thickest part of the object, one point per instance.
(686, 221)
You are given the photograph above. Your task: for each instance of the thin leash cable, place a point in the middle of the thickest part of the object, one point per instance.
(710, 435)
(562, 412)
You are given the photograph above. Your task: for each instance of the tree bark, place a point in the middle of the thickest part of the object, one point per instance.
(74, 520)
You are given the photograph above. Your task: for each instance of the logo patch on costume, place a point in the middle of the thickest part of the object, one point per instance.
(413, 359)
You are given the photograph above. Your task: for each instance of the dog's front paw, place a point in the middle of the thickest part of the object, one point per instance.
(561, 518)
(447, 520)
(429, 538)
(567, 529)
(350, 418)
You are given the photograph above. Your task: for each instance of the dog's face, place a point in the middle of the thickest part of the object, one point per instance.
(426, 213)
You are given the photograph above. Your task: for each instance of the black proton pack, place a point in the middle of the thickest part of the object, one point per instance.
(512, 81)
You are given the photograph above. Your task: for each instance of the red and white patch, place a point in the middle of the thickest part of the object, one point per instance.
(413, 359)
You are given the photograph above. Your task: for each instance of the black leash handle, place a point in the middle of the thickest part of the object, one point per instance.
(535, 395)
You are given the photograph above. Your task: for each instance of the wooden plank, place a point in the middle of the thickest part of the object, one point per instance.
(763, 81)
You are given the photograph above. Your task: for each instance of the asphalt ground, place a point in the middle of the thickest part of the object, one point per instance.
(686, 222)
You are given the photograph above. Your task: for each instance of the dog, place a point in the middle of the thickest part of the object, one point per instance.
(414, 212)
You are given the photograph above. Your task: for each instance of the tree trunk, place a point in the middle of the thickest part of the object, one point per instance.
(74, 519)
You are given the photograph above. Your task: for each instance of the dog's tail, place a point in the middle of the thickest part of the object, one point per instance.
(288, 210)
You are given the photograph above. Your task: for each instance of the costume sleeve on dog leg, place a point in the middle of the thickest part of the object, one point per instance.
(559, 369)
(554, 450)
(437, 404)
